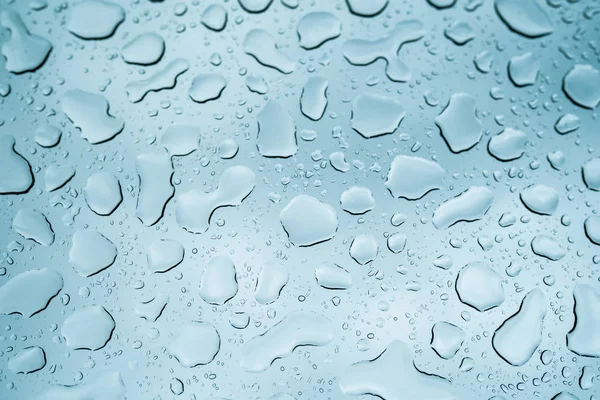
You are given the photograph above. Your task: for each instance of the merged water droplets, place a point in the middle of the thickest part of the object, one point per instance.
(365, 52)
(195, 208)
(520, 335)
(261, 45)
(352, 225)
(24, 51)
(90, 114)
(18, 177)
(298, 328)
(392, 375)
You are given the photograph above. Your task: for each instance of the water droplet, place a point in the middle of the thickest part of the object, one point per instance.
(298, 328)
(520, 335)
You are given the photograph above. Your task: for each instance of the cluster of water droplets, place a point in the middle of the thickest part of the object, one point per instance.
(295, 199)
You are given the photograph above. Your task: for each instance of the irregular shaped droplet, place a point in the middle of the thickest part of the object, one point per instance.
(458, 123)
(206, 87)
(526, 17)
(165, 78)
(30, 292)
(155, 171)
(164, 254)
(567, 123)
(298, 328)
(508, 145)
(584, 338)
(144, 49)
(313, 99)
(255, 6)
(582, 85)
(56, 176)
(95, 19)
(259, 44)
(276, 131)
(441, 4)
(401, 180)
(519, 336)
(364, 52)
(214, 17)
(28, 360)
(103, 193)
(565, 396)
(460, 32)
(239, 320)
(357, 200)
(104, 386)
(470, 205)
(332, 276)
(47, 135)
(592, 229)
(446, 339)
(181, 140)
(151, 309)
(547, 247)
(219, 281)
(307, 221)
(271, 280)
(338, 161)
(24, 51)
(375, 115)
(32, 224)
(393, 376)
(479, 286)
(316, 28)
(591, 173)
(195, 208)
(89, 113)
(540, 199)
(366, 8)
(396, 242)
(17, 176)
(88, 328)
(91, 252)
(524, 69)
(196, 343)
(587, 378)
(256, 84)
(364, 248)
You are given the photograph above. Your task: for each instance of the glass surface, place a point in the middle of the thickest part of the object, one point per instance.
(299, 199)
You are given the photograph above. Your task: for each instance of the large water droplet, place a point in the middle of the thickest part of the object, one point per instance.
(520, 335)
(298, 328)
